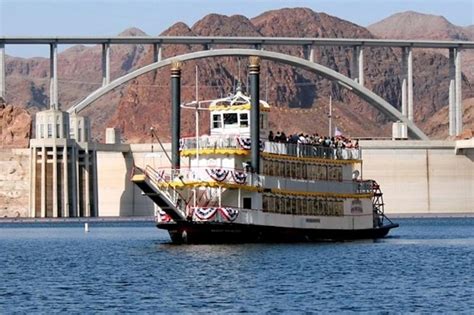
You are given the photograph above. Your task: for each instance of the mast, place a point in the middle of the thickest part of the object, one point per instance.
(330, 116)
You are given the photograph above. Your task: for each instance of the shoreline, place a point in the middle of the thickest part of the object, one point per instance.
(78, 220)
(393, 216)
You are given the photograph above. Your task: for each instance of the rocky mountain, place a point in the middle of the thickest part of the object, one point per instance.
(438, 123)
(297, 95)
(414, 25)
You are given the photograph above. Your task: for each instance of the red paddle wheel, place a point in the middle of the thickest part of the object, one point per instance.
(378, 204)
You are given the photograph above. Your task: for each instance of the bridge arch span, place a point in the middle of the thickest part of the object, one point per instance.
(367, 95)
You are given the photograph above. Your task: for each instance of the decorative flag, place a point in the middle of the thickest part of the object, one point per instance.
(205, 214)
(337, 132)
(229, 214)
(217, 174)
(245, 143)
(239, 177)
(209, 214)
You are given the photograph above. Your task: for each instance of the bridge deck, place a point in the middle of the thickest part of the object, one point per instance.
(220, 40)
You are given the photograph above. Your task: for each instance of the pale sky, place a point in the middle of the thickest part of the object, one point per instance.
(110, 17)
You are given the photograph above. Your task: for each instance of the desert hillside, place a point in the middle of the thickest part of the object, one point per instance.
(296, 95)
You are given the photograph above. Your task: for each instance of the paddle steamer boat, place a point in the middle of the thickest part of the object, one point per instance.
(300, 193)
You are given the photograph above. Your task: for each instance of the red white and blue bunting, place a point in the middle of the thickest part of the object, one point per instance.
(162, 216)
(215, 214)
(205, 214)
(217, 174)
(246, 143)
(229, 214)
(239, 177)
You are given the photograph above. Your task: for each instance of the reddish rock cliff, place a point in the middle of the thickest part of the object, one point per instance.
(15, 126)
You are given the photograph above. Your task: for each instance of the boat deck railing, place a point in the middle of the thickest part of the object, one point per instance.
(364, 186)
(167, 179)
(278, 148)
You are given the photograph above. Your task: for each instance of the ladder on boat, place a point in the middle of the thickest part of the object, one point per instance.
(378, 204)
(147, 181)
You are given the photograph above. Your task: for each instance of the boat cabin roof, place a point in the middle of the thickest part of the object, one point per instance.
(237, 102)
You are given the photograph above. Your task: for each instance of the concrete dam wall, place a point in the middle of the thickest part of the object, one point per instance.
(421, 177)
(416, 177)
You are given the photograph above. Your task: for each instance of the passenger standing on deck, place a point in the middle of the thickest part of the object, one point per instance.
(271, 137)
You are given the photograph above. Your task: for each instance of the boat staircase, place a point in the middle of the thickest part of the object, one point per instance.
(167, 199)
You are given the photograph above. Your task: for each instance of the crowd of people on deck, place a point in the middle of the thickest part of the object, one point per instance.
(338, 141)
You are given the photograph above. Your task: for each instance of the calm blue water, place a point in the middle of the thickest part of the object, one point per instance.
(426, 265)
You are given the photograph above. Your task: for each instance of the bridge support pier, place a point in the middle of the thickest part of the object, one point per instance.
(53, 75)
(455, 92)
(2, 71)
(407, 82)
(404, 77)
(355, 64)
(452, 95)
(410, 83)
(311, 53)
(458, 90)
(157, 54)
(105, 64)
(361, 64)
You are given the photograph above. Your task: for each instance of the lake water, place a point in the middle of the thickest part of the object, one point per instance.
(426, 265)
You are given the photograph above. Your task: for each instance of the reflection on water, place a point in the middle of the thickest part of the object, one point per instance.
(423, 266)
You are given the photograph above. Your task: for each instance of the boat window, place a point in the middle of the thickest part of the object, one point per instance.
(216, 121)
(244, 120)
(230, 119)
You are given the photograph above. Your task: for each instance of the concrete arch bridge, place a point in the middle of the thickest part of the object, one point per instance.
(327, 73)
(355, 84)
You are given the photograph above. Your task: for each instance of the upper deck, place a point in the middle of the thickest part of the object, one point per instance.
(235, 144)
(230, 127)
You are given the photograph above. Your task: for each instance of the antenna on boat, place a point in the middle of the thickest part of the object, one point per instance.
(153, 134)
(330, 116)
(197, 116)
(238, 76)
